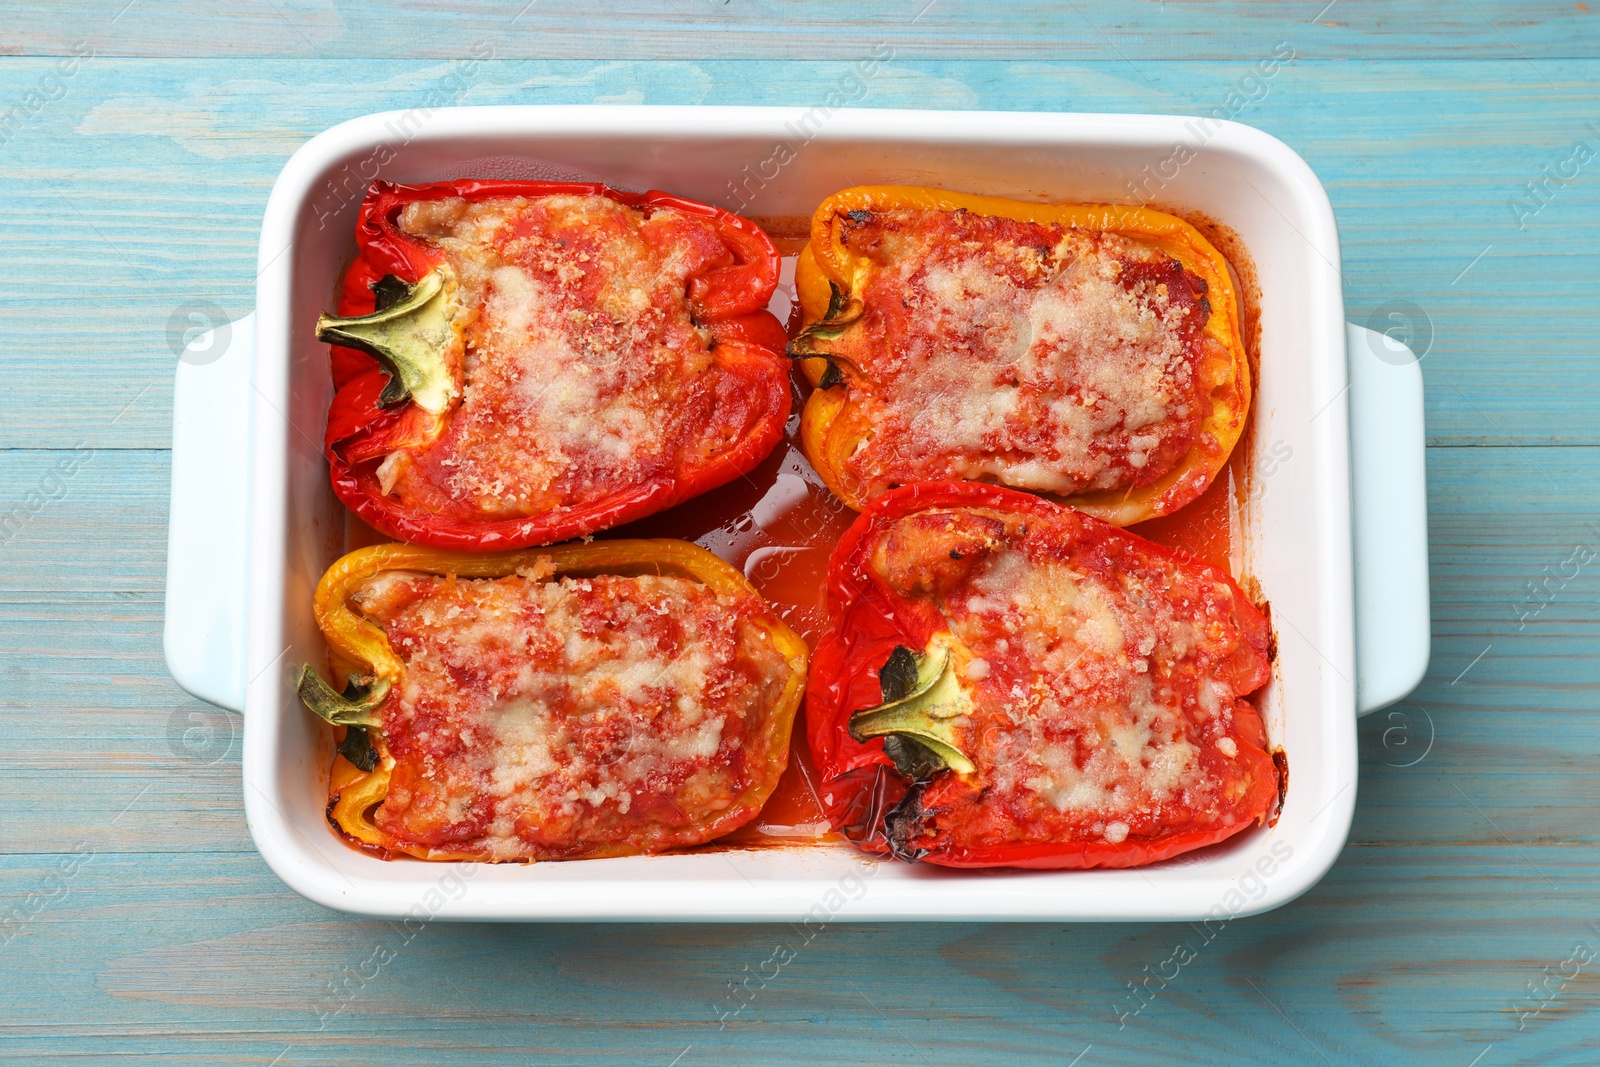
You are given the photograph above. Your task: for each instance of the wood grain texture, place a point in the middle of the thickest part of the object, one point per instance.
(136, 918)
(821, 29)
(196, 959)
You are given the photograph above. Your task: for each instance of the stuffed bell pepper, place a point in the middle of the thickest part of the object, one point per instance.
(1090, 352)
(607, 699)
(518, 363)
(1009, 682)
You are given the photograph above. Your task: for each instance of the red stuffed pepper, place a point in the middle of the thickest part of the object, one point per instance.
(518, 363)
(1009, 682)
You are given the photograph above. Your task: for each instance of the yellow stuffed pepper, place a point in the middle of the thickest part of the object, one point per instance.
(601, 699)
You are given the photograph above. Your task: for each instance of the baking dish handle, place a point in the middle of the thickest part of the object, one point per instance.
(208, 523)
(1389, 505)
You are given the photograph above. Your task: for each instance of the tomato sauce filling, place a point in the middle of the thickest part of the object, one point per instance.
(1106, 683)
(583, 371)
(1025, 353)
(543, 718)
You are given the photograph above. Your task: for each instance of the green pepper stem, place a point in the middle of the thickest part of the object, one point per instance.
(412, 338)
(926, 715)
(354, 707)
(842, 313)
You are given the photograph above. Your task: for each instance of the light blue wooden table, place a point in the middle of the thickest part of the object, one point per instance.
(139, 920)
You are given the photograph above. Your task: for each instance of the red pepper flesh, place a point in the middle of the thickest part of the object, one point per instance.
(961, 819)
(727, 300)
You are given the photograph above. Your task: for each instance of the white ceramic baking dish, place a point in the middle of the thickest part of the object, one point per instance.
(254, 524)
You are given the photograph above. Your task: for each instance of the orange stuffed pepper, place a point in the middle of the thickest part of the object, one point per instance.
(1089, 352)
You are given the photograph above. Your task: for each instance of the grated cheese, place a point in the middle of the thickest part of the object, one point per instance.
(1042, 358)
(540, 715)
(1105, 677)
(584, 370)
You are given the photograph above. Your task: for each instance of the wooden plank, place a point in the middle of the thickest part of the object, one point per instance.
(1400, 955)
(101, 745)
(1515, 569)
(82, 521)
(106, 183)
(825, 29)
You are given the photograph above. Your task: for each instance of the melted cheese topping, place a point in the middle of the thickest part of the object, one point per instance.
(547, 718)
(1108, 682)
(584, 372)
(1036, 356)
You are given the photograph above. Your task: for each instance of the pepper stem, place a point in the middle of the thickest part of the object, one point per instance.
(926, 715)
(842, 313)
(356, 706)
(357, 748)
(411, 337)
